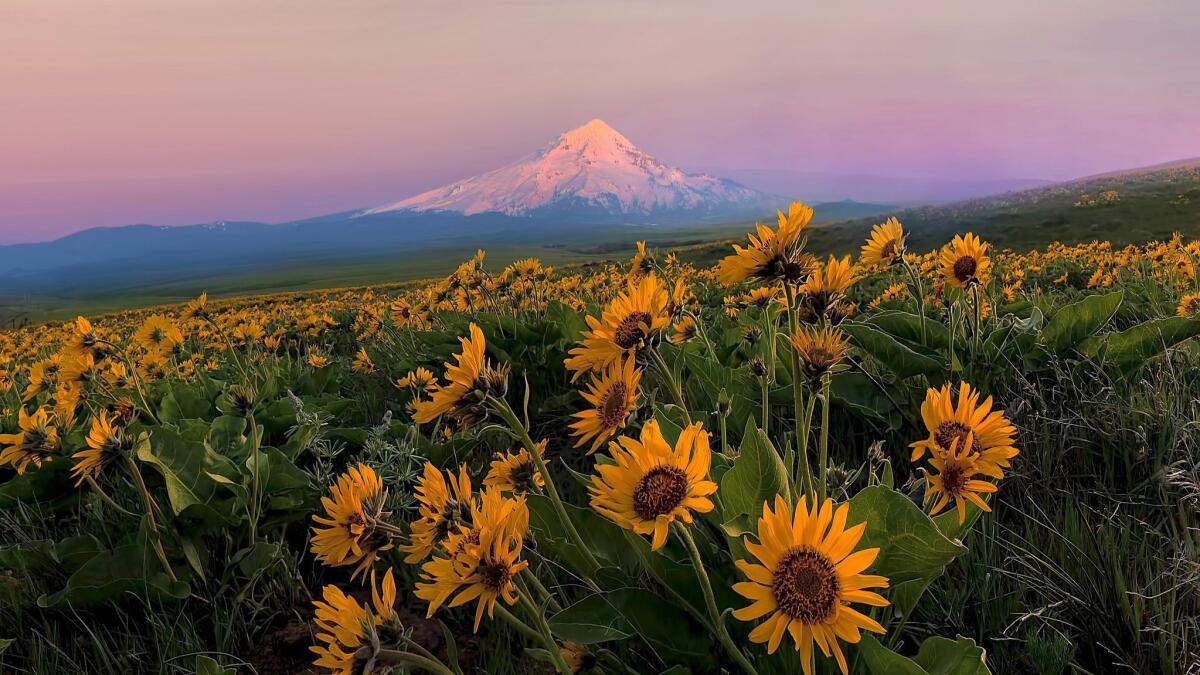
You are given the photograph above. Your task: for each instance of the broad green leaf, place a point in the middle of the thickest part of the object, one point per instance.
(132, 568)
(880, 659)
(907, 326)
(1072, 323)
(1130, 348)
(893, 354)
(591, 620)
(758, 474)
(187, 466)
(942, 656)
(910, 544)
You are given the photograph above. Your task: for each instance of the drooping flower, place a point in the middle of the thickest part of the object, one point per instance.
(468, 383)
(611, 397)
(36, 443)
(516, 472)
(106, 443)
(805, 576)
(651, 485)
(445, 503)
(348, 630)
(353, 532)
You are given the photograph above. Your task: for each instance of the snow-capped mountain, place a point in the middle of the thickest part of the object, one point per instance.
(591, 168)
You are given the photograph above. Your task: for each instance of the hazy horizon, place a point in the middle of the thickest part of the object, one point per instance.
(176, 113)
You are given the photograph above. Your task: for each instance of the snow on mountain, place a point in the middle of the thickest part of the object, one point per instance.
(592, 166)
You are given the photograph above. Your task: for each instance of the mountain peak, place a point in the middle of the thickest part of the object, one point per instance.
(591, 168)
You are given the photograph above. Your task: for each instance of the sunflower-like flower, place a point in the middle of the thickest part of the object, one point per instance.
(158, 334)
(651, 485)
(577, 657)
(612, 398)
(1189, 305)
(806, 576)
(973, 426)
(445, 504)
(683, 330)
(353, 531)
(773, 255)
(516, 472)
(630, 323)
(828, 285)
(197, 308)
(885, 244)
(43, 376)
(350, 631)
(106, 442)
(964, 261)
(82, 340)
(421, 379)
(642, 262)
(481, 562)
(36, 443)
(820, 349)
(955, 480)
(469, 382)
(362, 362)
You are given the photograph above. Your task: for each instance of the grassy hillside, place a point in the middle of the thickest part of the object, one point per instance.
(1123, 207)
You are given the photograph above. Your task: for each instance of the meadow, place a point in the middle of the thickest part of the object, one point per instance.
(888, 459)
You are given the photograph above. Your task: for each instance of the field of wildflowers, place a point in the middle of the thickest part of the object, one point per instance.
(964, 461)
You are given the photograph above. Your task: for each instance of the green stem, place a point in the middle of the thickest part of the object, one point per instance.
(823, 483)
(544, 627)
(147, 500)
(522, 627)
(766, 406)
(515, 424)
(919, 292)
(108, 500)
(805, 470)
(711, 602)
(396, 657)
(672, 383)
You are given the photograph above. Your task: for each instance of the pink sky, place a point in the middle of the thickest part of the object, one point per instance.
(187, 111)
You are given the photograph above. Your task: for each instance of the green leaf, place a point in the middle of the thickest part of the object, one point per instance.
(187, 467)
(758, 474)
(880, 659)
(1072, 323)
(1131, 348)
(132, 568)
(893, 354)
(910, 544)
(907, 326)
(207, 665)
(942, 656)
(5, 644)
(591, 620)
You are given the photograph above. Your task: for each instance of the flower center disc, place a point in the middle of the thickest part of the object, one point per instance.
(629, 332)
(949, 432)
(964, 269)
(495, 575)
(612, 407)
(659, 492)
(806, 586)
